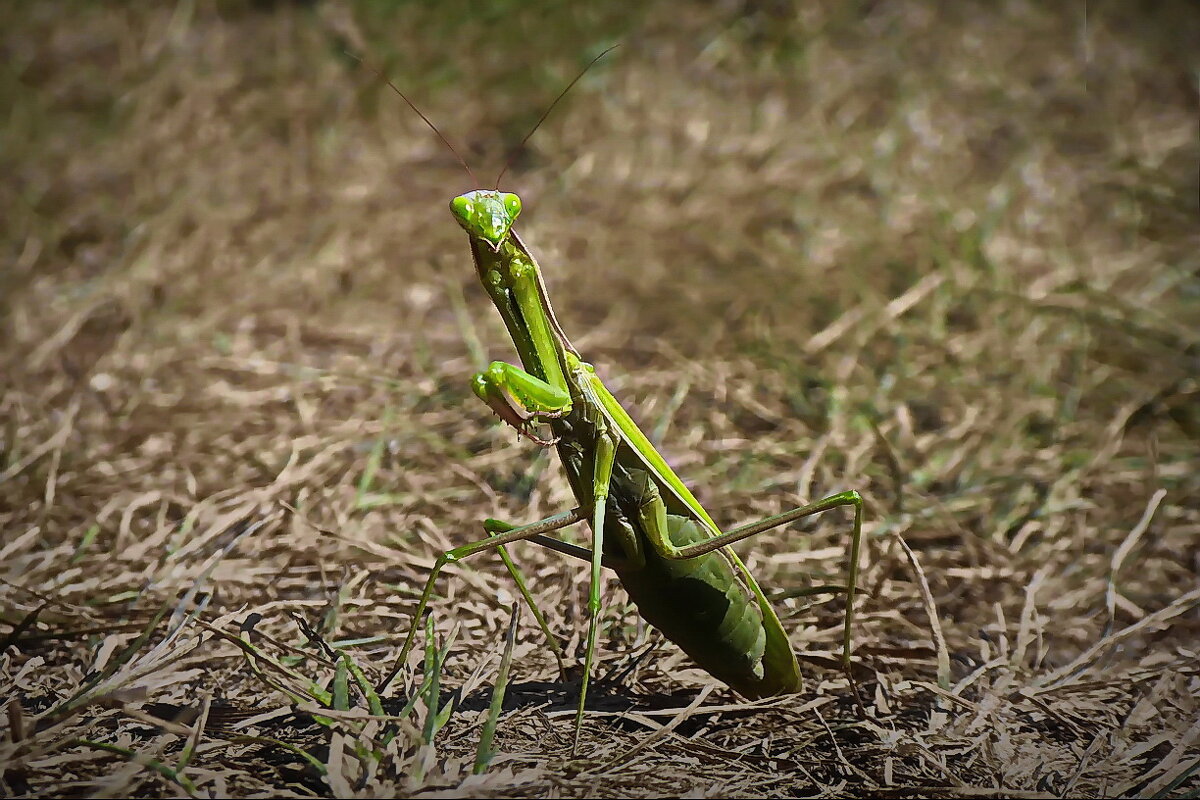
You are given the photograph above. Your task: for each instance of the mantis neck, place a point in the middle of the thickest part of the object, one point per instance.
(514, 282)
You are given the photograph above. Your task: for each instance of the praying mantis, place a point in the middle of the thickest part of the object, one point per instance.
(672, 559)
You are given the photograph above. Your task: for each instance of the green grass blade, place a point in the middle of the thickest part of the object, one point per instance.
(485, 751)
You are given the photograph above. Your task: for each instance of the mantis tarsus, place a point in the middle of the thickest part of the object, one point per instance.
(646, 525)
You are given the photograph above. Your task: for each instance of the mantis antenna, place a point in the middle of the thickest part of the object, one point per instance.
(546, 113)
(420, 113)
(516, 150)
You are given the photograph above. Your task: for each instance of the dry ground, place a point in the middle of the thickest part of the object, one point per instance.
(946, 255)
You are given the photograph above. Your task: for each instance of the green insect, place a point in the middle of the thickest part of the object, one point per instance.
(646, 525)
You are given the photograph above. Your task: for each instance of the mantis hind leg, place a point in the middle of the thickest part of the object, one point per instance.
(653, 515)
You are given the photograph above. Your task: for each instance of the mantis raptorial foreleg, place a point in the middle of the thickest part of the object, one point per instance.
(520, 398)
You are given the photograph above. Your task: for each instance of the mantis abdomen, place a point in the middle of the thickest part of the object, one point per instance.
(703, 606)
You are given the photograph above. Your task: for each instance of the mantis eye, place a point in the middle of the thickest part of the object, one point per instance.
(462, 206)
(512, 204)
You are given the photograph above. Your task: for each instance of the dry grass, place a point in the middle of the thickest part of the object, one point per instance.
(945, 256)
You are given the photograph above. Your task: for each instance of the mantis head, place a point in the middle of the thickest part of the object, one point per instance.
(488, 214)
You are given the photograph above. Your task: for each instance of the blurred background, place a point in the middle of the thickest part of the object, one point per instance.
(943, 253)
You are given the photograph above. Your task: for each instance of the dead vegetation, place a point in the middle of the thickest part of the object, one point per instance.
(946, 256)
